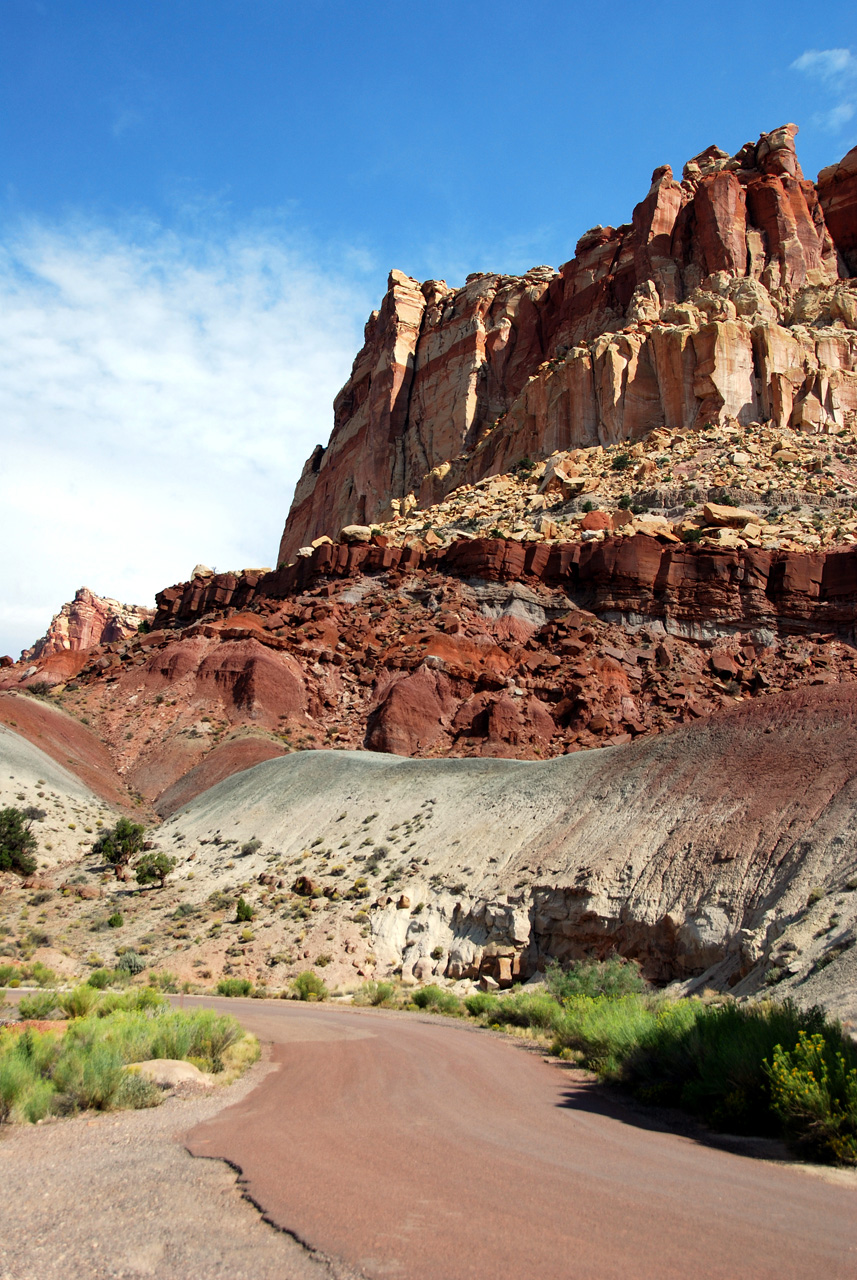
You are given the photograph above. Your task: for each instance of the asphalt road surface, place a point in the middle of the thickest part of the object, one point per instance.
(420, 1150)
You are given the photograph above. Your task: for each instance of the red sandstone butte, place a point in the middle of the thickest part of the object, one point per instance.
(682, 317)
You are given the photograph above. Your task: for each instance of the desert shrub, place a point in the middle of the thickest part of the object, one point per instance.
(24, 1092)
(436, 999)
(88, 1076)
(814, 1095)
(153, 868)
(612, 977)
(621, 462)
(86, 1068)
(136, 1092)
(165, 980)
(243, 911)
(250, 846)
(7, 973)
(17, 843)
(79, 1002)
(234, 987)
(212, 1034)
(528, 1009)
(100, 978)
(309, 986)
(115, 921)
(711, 1059)
(480, 1004)
(377, 993)
(604, 1030)
(131, 962)
(39, 1005)
(121, 843)
(39, 973)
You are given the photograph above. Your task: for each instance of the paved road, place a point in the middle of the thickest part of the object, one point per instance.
(421, 1150)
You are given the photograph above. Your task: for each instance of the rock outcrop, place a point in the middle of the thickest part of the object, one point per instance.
(723, 299)
(88, 621)
(837, 191)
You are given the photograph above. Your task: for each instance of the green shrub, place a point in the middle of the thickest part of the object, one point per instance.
(39, 973)
(612, 977)
(131, 962)
(86, 1068)
(528, 1009)
(79, 1002)
(17, 843)
(7, 973)
(604, 1030)
(436, 999)
(309, 986)
(165, 980)
(39, 1005)
(100, 978)
(234, 987)
(621, 462)
(243, 911)
(480, 1004)
(24, 1094)
(378, 993)
(711, 1059)
(250, 846)
(88, 1076)
(814, 1094)
(136, 1092)
(115, 921)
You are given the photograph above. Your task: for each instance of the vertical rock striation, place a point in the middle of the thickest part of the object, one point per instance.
(725, 297)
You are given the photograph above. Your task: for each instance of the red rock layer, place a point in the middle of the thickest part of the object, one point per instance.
(671, 319)
(479, 650)
(687, 586)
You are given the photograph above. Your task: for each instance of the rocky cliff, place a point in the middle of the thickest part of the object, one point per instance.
(88, 621)
(724, 299)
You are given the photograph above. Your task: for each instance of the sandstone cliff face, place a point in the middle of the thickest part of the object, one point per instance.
(88, 621)
(724, 298)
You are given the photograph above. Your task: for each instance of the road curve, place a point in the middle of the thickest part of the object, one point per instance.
(421, 1150)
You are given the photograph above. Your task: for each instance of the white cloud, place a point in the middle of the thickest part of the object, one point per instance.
(158, 397)
(836, 71)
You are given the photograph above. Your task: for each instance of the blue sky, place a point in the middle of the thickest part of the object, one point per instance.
(201, 199)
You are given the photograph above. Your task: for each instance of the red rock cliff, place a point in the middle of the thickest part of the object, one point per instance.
(725, 297)
(87, 621)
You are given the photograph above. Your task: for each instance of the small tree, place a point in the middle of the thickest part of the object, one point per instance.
(243, 911)
(121, 844)
(154, 867)
(17, 842)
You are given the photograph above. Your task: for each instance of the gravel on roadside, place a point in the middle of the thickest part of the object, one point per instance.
(115, 1196)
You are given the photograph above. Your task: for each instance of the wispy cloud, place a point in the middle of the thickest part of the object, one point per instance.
(158, 396)
(835, 70)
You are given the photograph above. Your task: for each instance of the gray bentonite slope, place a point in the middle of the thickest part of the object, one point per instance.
(723, 851)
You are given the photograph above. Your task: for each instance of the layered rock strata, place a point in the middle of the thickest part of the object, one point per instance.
(87, 621)
(721, 300)
(690, 589)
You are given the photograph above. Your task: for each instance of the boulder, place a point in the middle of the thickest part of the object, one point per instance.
(168, 1073)
(734, 517)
